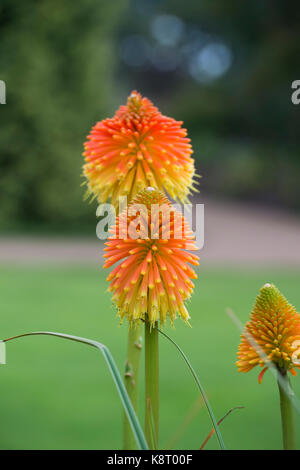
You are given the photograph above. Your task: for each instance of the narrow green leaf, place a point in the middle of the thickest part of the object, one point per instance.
(135, 425)
(210, 411)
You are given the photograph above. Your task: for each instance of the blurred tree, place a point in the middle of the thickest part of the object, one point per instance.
(68, 64)
(57, 60)
(242, 122)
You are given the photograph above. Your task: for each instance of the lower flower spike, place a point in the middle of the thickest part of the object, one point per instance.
(274, 327)
(153, 278)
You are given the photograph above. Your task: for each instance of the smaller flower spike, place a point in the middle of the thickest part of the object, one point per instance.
(153, 278)
(138, 147)
(275, 327)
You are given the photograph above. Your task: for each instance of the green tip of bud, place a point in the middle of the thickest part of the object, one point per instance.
(269, 294)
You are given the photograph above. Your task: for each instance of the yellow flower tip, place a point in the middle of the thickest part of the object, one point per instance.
(152, 283)
(274, 330)
(129, 152)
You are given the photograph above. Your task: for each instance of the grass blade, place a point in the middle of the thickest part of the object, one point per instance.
(129, 410)
(219, 422)
(209, 409)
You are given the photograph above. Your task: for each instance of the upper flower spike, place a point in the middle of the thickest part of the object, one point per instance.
(275, 327)
(153, 278)
(138, 147)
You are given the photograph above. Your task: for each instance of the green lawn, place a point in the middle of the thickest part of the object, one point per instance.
(59, 395)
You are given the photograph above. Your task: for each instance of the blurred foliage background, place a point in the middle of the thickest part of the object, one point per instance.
(226, 69)
(57, 59)
(223, 68)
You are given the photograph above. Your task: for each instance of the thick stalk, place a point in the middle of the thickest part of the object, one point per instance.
(287, 412)
(131, 378)
(151, 386)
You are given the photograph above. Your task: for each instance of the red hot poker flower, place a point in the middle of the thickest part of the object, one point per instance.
(138, 147)
(153, 278)
(275, 327)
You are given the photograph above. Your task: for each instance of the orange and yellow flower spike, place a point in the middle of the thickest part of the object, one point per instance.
(275, 327)
(138, 147)
(153, 278)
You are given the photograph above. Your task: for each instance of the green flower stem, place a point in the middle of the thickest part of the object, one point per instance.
(287, 412)
(151, 386)
(131, 378)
